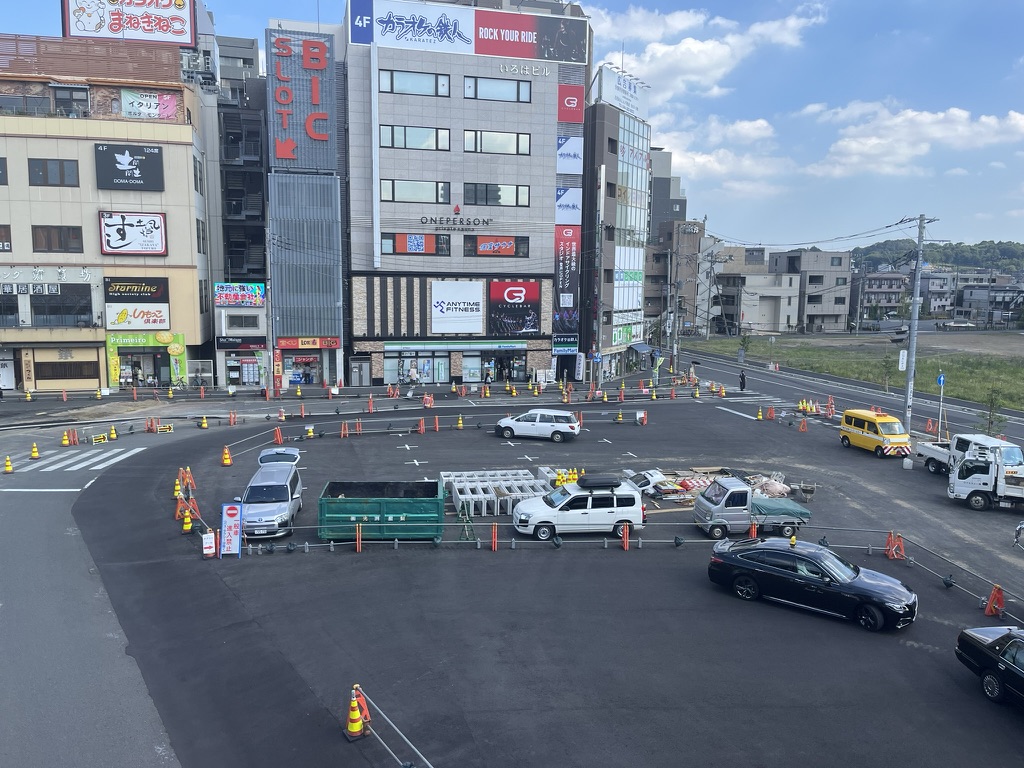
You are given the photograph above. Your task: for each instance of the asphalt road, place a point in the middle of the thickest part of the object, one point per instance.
(576, 656)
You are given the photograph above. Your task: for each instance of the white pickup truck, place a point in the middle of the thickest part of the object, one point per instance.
(940, 455)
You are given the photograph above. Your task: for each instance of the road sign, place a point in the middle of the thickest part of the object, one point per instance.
(231, 530)
(903, 360)
(941, 381)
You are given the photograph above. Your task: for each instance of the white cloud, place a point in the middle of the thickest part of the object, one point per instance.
(877, 139)
(983, 216)
(957, 172)
(642, 24)
(1016, 213)
(724, 163)
(738, 132)
(755, 190)
(997, 164)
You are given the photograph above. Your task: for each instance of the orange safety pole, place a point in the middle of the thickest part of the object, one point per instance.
(422, 427)
(344, 429)
(494, 537)
(359, 426)
(625, 536)
(359, 537)
(202, 392)
(135, 394)
(266, 394)
(302, 411)
(437, 424)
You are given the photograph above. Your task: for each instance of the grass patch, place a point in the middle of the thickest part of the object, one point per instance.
(969, 376)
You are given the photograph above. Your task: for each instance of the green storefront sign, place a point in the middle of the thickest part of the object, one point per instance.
(172, 343)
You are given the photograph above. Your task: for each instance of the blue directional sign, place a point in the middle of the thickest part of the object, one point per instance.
(941, 380)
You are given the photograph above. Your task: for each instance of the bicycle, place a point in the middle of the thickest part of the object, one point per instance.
(182, 384)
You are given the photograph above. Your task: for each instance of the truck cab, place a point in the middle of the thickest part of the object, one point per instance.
(990, 472)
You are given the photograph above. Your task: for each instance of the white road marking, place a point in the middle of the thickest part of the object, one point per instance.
(40, 490)
(407, 446)
(124, 456)
(84, 462)
(737, 413)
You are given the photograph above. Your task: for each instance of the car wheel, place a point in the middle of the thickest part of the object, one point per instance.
(787, 530)
(978, 501)
(619, 526)
(992, 686)
(544, 532)
(716, 532)
(507, 433)
(869, 617)
(845, 441)
(935, 467)
(745, 588)
(879, 452)
(557, 437)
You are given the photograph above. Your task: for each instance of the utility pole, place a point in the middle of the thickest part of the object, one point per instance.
(908, 397)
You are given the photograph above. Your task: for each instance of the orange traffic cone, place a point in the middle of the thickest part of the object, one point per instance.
(994, 605)
(803, 425)
(354, 729)
(225, 457)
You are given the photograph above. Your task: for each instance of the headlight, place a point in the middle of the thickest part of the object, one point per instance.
(524, 519)
(898, 607)
(885, 441)
(281, 518)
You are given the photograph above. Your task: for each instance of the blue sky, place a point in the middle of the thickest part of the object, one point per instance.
(799, 123)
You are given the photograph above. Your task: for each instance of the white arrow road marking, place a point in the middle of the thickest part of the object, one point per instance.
(529, 458)
(417, 463)
(628, 453)
(407, 446)
(605, 440)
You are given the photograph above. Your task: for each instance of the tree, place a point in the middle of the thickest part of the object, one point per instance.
(992, 422)
(888, 369)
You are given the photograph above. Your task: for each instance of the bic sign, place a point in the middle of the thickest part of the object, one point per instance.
(300, 67)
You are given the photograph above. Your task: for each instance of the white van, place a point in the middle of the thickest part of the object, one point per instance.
(271, 500)
(591, 505)
(540, 422)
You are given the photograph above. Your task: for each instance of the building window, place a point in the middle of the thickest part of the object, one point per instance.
(413, 137)
(8, 309)
(839, 300)
(515, 195)
(57, 239)
(412, 244)
(73, 102)
(52, 173)
(204, 296)
(498, 143)
(493, 89)
(24, 105)
(496, 246)
(5, 238)
(613, 146)
(609, 189)
(413, 83)
(67, 369)
(815, 279)
(3, 171)
(814, 299)
(840, 281)
(789, 301)
(198, 177)
(609, 233)
(70, 306)
(400, 191)
(836, 261)
(243, 321)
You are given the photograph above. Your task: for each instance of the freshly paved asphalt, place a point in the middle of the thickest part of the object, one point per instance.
(541, 657)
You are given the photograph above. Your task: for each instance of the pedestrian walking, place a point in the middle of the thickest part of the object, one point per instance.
(743, 380)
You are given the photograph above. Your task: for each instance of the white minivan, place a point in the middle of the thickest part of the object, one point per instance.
(594, 504)
(540, 422)
(271, 500)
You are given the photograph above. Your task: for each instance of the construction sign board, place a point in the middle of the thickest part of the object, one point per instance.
(231, 530)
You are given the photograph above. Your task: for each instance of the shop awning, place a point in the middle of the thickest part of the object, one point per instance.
(641, 347)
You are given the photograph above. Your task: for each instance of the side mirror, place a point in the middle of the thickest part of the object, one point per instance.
(238, 499)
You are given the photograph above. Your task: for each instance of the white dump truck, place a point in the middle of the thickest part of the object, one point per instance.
(940, 455)
(990, 473)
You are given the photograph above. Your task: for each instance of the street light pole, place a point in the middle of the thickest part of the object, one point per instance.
(908, 397)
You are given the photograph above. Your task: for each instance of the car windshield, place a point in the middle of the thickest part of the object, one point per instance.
(891, 428)
(265, 494)
(715, 493)
(556, 497)
(839, 567)
(1012, 456)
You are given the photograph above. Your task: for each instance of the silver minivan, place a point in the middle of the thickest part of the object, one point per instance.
(271, 500)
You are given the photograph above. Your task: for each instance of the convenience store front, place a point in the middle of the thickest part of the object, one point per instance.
(146, 358)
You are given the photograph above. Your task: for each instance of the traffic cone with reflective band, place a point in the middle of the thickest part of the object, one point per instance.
(696, 393)
(8, 467)
(459, 424)
(28, 395)
(760, 417)
(721, 391)
(225, 457)
(803, 425)
(177, 488)
(35, 452)
(65, 441)
(771, 413)
(618, 419)
(995, 604)
(354, 729)
(186, 523)
(309, 432)
(113, 433)
(654, 394)
(203, 424)
(99, 395)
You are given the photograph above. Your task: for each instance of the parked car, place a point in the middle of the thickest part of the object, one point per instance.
(593, 504)
(814, 577)
(540, 422)
(996, 655)
(271, 501)
(275, 455)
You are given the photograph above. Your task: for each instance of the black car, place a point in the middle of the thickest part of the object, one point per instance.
(813, 577)
(996, 655)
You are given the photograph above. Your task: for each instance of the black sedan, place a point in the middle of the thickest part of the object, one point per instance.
(996, 655)
(814, 577)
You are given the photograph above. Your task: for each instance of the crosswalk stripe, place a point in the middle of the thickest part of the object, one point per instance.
(42, 461)
(124, 456)
(83, 462)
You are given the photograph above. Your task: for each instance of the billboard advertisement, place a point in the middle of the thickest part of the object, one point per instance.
(513, 308)
(565, 325)
(622, 91)
(133, 234)
(460, 29)
(137, 303)
(456, 306)
(301, 100)
(569, 157)
(152, 21)
(568, 205)
(495, 245)
(570, 103)
(144, 105)
(173, 343)
(130, 166)
(239, 295)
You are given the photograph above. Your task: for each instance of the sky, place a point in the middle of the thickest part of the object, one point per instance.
(798, 123)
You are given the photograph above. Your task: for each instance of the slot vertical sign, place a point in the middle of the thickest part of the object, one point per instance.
(230, 530)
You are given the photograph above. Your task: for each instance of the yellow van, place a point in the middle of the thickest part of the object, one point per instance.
(878, 432)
